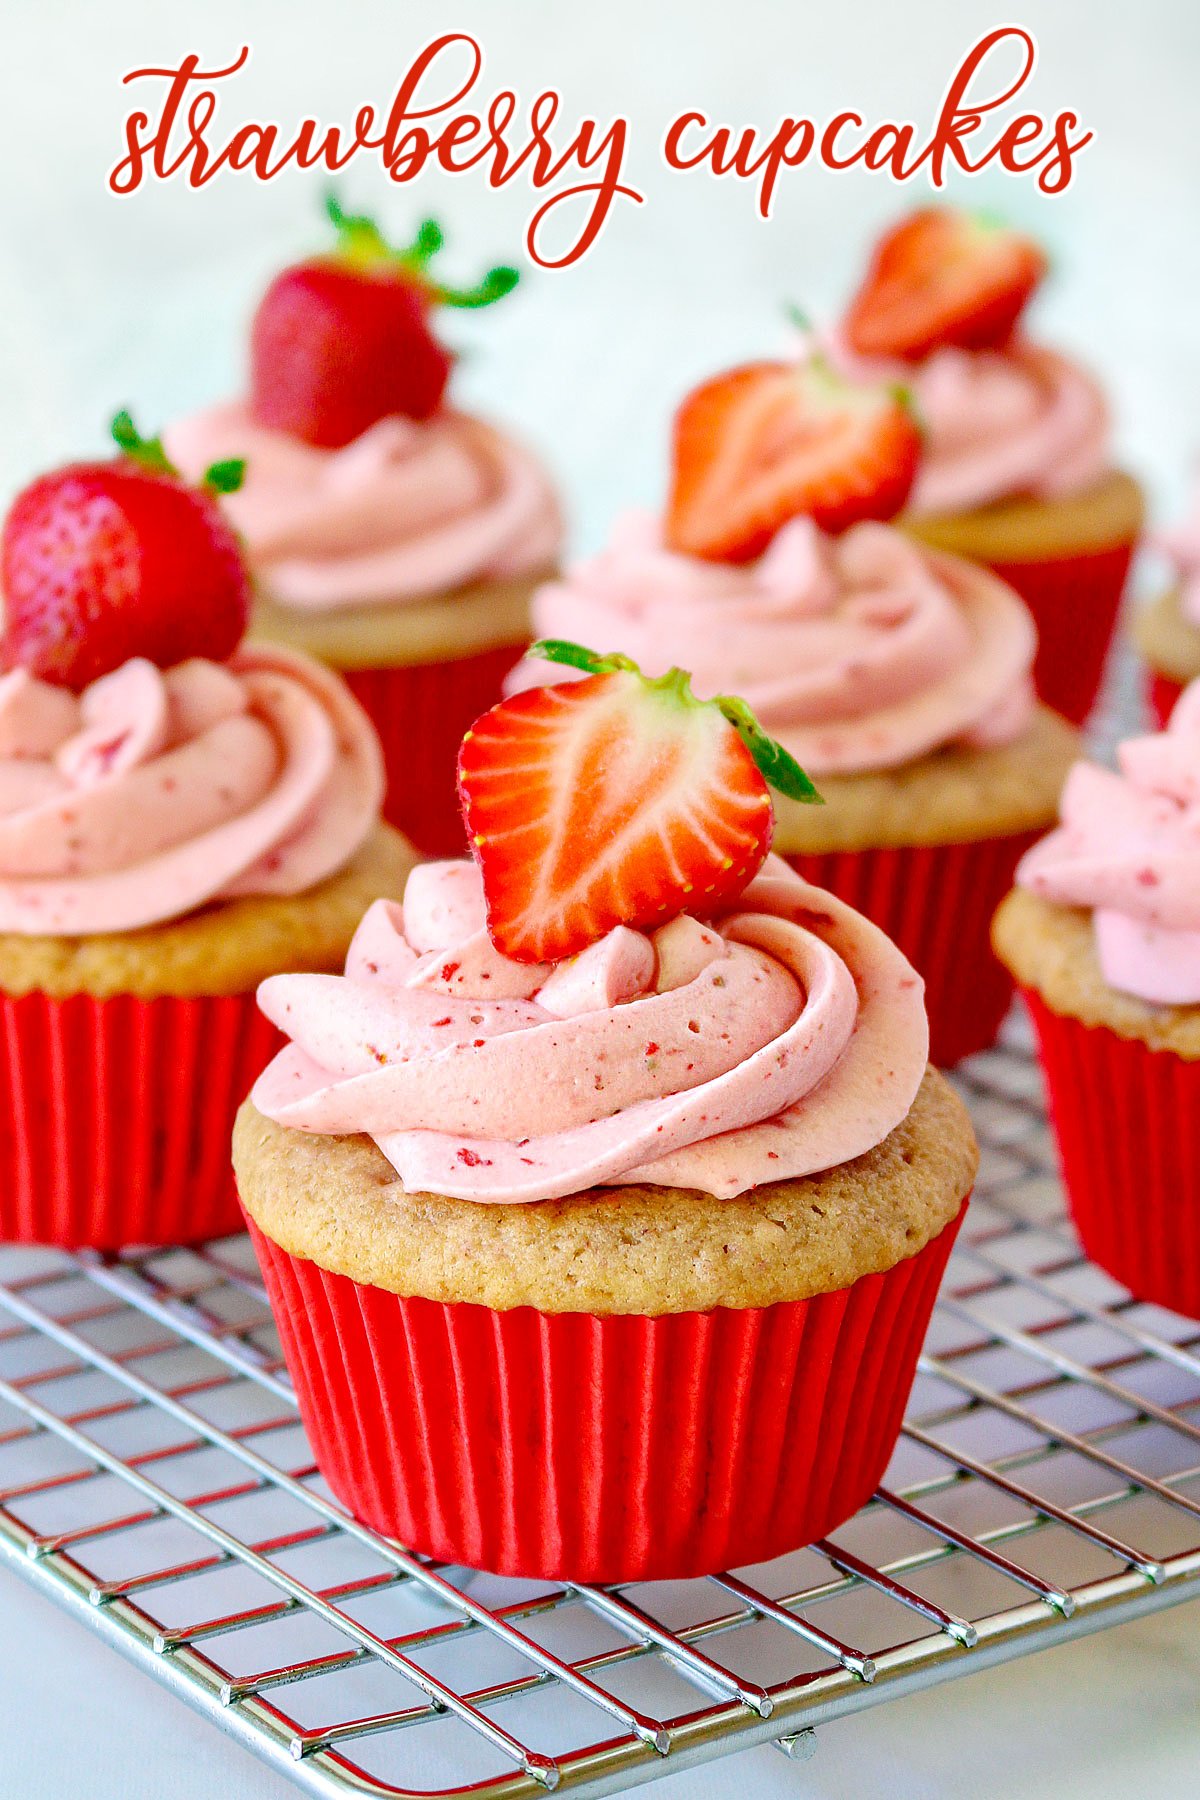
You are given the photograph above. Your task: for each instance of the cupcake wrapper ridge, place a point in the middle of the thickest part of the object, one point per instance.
(1075, 602)
(936, 903)
(1162, 692)
(118, 1116)
(421, 713)
(569, 1446)
(1127, 1122)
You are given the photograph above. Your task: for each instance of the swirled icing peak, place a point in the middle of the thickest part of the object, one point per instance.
(1129, 849)
(783, 1036)
(862, 651)
(998, 424)
(154, 792)
(408, 509)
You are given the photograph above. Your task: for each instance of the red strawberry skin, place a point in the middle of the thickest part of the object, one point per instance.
(606, 802)
(334, 347)
(941, 279)
(103, 561)
(765, 443)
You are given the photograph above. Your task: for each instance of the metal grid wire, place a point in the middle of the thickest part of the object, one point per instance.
(155, 1479)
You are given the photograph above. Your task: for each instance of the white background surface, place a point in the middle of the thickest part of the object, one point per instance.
(143, 301)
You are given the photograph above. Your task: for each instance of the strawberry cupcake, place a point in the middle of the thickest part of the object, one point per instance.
(899, 676)
(388, 534)
(1167, 632)
(1103, 934)
(1017, 470)
(180, 816)
(616, 1110)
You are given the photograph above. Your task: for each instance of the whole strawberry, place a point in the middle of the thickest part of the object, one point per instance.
(102, 561)
(343, 340)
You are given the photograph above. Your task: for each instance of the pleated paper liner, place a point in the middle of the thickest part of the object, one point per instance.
(1075, 602)
(1127, 1121)
(1162, 693)
(421, 713)
(568, 1446)
(936, 902)
(118, 1114)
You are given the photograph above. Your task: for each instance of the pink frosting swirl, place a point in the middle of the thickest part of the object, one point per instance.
(1182, 545)
(786, 1036)
(154, 792)
(1129, 848)
(858, 652)
(999, 424)
(407, 510)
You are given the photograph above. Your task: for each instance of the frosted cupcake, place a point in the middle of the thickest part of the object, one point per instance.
(900, 679)
(1103, 934)
(1168, 631)
(388, 534)
(180, 815)
(1017, 469)
(525, 1150)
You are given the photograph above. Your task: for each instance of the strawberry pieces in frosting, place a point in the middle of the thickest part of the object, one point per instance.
(785, 1036)
(154, 792)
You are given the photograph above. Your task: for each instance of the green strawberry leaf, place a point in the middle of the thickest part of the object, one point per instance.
(495, 284)
(777, 766)
(361, 241)
(148, 452)
(426, 244)
(575, 656)
(225, 477)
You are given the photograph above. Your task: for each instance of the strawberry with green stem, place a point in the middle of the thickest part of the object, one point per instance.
(102, 561)
(615, 800)
(344, 339)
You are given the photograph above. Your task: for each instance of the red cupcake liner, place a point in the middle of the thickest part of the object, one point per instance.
(1127, 1121)
(936, 903)
(1162, 693)
(118, 1116)
(1075, 602)
(421, 713)
(568, 1446)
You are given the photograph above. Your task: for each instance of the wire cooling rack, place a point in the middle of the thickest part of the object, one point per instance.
(154, 1479)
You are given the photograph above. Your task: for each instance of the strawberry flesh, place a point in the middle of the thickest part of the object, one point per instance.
(765, 443)
(943, 278)
(608, 801)
(103, 561)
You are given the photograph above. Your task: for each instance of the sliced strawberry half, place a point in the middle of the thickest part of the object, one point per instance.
(762, 444)
(942, 278)
(615, 800)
